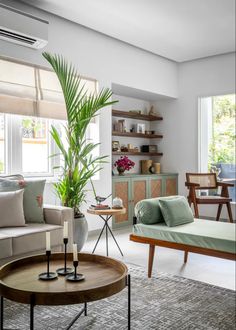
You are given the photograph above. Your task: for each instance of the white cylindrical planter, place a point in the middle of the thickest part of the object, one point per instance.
(80, 231)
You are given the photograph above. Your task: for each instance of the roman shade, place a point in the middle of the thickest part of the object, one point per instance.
(33, 91)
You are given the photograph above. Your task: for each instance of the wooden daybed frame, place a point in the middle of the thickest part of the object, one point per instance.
(177, 246)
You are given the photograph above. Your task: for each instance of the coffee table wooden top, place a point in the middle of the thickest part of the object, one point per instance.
(103, 277)
(107, 212)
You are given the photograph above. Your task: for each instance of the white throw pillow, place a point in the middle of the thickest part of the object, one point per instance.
(11, 209)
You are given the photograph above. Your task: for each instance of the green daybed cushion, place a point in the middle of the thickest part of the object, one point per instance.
(176, 211)
(148, 211)
(208, 234)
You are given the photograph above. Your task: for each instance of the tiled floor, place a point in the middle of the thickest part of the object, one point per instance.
(210, 270)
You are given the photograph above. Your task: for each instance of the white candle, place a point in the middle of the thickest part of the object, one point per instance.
(65, 230)
(75, 253)
(48, 241)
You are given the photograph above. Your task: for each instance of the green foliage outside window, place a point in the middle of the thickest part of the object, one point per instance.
(222, 146)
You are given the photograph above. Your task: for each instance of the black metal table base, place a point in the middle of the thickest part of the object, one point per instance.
(82, 311)
(107, 229)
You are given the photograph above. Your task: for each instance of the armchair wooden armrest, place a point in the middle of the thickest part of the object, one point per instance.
(192, 184)
(224, 184)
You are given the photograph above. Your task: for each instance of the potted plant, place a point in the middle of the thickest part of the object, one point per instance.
(79, 165)
(124, 164)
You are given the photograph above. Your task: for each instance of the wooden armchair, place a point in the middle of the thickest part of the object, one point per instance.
(197, 181)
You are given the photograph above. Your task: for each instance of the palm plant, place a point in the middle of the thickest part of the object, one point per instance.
(79, 164)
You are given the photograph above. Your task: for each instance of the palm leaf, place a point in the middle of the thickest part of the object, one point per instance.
(79, 164)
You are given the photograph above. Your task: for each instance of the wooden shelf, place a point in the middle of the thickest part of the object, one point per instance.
(137, 135)
(127, 114)
(137, 153)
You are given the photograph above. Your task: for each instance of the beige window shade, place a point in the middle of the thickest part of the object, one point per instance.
(32, 91)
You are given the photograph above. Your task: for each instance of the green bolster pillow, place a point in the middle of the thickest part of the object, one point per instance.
(148, 211)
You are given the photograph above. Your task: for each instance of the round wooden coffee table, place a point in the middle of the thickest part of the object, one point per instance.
(106, 215)
(104, 277)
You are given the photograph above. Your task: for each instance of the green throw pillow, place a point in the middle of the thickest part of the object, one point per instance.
(148, 211)
(33, 196)
(33, 201)
(175, 210)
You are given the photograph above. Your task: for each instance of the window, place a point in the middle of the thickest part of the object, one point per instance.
(31, 101)
(217, 137)
(2, 144)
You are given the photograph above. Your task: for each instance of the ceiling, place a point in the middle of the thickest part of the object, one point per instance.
(179, 30)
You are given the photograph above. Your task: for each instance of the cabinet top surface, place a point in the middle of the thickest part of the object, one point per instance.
(133, 175)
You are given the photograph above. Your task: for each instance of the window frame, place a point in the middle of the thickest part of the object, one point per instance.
(13, 155)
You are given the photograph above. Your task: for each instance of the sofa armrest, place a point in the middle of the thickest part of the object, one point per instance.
(56, 215)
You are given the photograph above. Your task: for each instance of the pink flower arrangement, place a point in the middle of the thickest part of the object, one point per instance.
(125, 163)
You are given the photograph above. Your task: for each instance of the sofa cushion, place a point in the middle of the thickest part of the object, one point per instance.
(148, 211)
(208, 234)
(176, 211)
(33, 201)
(5, 246)
(32, 237)
(11, 206)
(33, 196)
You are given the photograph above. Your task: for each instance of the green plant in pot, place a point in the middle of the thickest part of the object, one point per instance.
(79, 164)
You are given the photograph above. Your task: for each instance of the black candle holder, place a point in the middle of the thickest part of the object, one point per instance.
(48, 275)
(75, 277)
(64, 271)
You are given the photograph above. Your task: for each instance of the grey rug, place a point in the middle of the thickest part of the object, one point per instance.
(163, 302)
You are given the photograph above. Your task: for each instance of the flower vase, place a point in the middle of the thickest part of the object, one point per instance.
(121, 170)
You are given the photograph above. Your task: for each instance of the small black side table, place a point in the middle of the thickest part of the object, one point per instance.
(106, 215)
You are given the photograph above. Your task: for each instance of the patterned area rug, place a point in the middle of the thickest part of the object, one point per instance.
(163, 302)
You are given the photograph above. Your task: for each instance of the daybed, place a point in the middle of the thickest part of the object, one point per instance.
(154, 225)
(207, 237)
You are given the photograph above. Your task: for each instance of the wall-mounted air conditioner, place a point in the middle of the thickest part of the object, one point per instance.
(23, 29)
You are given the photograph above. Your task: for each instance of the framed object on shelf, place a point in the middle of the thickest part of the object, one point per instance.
(115, 146)
(140, 128)
(153, 148)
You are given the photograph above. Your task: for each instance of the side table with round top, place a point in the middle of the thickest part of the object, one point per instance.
(106, 215)
(104, 277)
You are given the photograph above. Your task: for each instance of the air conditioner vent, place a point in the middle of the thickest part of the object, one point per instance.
(21, 28)
(17, 37)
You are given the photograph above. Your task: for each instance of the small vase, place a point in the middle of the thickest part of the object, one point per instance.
(121, 170)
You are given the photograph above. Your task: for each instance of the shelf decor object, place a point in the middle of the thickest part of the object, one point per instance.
(75, 277)
(124, 164)
(48, 275)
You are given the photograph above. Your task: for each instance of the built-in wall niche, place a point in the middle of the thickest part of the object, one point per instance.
(135, 131)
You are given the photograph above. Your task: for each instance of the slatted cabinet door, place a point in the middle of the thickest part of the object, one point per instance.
(122, 189)
(139, 189)
(155, 187)
(170, 186)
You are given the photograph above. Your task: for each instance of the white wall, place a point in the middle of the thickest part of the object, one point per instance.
(109, 61)
(205, 77)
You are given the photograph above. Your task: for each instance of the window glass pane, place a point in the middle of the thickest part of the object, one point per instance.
(222, 142)
(2, 144)
(35, 145)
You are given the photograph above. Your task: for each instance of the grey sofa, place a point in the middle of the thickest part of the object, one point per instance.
(16, 242)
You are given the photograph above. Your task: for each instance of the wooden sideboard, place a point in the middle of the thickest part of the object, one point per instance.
(132, 188)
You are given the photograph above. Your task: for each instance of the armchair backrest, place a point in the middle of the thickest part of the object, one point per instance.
(205, 180)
